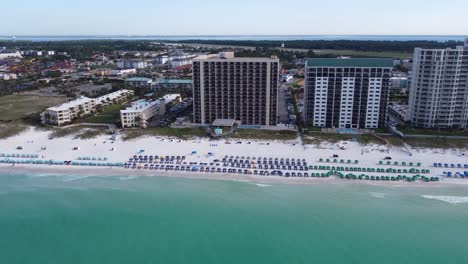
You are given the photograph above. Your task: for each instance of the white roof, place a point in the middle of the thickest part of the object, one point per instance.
(140, 106)
(70, 104)
(170, 97)
(143, 104)
(112, 96)
(224, 122)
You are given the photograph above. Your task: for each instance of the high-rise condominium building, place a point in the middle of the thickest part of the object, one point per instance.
(347, 93)
(439, 88)
(244, 89)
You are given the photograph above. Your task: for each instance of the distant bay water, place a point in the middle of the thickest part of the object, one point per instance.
(440, 38)
(77, 219)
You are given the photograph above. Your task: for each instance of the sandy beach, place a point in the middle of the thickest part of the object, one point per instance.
(204, 150)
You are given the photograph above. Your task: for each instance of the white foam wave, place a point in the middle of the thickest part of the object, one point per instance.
(262, 185)
(448, 199)
(126, 178)
(377, 194)
(70, 178)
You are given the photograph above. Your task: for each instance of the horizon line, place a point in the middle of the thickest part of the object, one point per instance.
(227, 35)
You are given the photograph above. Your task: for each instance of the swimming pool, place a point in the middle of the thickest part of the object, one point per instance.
(351, 131)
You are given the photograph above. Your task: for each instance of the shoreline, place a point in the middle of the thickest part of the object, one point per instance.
(53, 170)
(32, 145)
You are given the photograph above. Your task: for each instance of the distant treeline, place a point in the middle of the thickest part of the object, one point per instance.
(357, 45)
(83, 48)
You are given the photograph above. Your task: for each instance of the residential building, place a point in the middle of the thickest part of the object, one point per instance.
(347, 93)
(244, 89)
(398, 83)
(139, 82)
(32, 53)
(123, 72)
(161, 59)
(114, 98)
(178, 58)
(138, 114)
(173, 84)
(131, 64)
(8, 53)
(7, 76)
(65, 113)
(286, 78)
(102, 72)
(439, 88)
(182, 61)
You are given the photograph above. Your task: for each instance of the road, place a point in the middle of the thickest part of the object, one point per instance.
(282, 106)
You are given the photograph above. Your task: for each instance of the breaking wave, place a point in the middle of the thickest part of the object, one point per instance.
(448, 199)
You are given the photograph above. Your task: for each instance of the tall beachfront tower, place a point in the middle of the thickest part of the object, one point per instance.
(347, 93)
(439, 89)
(244, 89)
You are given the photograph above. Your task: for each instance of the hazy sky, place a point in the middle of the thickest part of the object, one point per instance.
(226, 17)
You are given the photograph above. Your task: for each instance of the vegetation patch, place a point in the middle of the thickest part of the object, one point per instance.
(18, 106)
(82, 132)
(10, 129)
(438, 132)
(180, 133)
(317, 138)
(438, 143)
(264, 134)
(109, 115)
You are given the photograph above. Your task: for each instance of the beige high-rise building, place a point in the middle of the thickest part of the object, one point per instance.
(244, 89)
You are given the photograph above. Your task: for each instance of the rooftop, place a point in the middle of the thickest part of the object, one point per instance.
(144, 104)
(138, 79)
(358, 62)
(239, 59)
(70, 104)
(112, 95)
(140, 105)
(174, 81)
(223, 122)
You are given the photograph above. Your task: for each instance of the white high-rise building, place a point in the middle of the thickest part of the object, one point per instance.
(439, 88)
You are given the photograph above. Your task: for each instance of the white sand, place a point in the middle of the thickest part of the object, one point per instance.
(62, 149)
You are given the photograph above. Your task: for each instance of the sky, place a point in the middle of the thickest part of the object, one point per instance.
(233, 17)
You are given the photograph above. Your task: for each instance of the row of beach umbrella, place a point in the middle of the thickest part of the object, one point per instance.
(13, 155)
(338, 161)
(396, 163)
(92, 158)
(446, 165)
(61, 162)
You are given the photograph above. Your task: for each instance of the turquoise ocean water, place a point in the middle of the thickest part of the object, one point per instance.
(72, 219)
